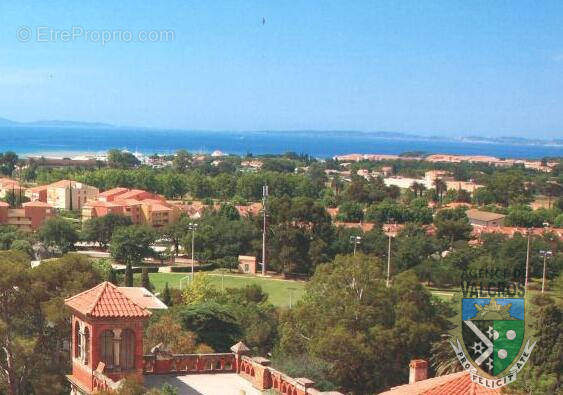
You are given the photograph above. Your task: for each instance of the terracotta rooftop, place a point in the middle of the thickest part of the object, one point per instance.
(132, 194)
(113, 192)
(100, 203)
(38, 188)
(106, 301)
(510, 231)
(9, 183)
(37, 203)
(450, 384)
(60, 184)
(364, 226)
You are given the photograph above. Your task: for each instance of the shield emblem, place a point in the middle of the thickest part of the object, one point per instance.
(493, 331)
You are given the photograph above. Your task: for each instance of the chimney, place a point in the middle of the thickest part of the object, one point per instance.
(418, 370)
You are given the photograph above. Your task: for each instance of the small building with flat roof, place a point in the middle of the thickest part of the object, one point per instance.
(485, 218)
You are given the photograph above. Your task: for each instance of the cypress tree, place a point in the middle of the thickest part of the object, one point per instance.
(112, 276)
(145, 279)
(166, 295)
(128, 275)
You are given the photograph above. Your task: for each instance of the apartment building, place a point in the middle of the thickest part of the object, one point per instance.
(27, 218)
(64, 194)
(70, 195)
(141, 206)
(9, 185)
(37, 194)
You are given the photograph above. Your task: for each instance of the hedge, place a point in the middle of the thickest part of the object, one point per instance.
(139, 269)
(188, 269)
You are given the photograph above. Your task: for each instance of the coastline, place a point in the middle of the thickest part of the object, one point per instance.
(69, 142)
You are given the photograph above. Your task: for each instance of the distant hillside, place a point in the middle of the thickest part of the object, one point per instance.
(56, 123)
(340, 133)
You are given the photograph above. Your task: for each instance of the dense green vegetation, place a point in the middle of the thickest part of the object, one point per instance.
(345, 329)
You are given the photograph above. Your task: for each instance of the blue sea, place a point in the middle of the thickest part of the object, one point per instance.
(68, 141)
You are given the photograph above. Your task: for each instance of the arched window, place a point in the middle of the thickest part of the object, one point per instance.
(106, 348)
(86, 345)
(77, 339)
(127, 350)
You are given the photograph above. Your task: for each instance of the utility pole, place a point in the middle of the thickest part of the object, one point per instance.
(264, 230)
(192, 226)
(546, 254)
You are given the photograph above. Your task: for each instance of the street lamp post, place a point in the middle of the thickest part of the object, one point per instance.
(546, 254)
(192, 226)
(355, 240)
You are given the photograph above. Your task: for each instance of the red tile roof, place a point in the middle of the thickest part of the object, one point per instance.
(38, 188)
(114, 191)
(450, 384)
(106, 301)
(511, 231)
(61, 184)
(133, 194)
(364, 226)
(37, 203)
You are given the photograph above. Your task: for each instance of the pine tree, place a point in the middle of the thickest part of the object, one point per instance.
(166, 295)
(128, 275)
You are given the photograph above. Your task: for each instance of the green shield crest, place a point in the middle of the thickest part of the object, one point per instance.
(493, 332)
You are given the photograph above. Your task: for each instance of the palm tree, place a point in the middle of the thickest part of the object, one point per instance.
(441, 187)
(337, 184)
(422, 188)
(443, 357)
(552, 188)
(415, 186)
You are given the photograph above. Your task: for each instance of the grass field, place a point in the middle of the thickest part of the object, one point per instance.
(279, 291)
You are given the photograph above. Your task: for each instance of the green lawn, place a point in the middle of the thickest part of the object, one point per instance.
(278, 290)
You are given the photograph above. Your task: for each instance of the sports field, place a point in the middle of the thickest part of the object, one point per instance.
(279, 291)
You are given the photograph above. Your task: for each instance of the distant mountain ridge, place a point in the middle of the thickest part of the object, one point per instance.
(56, 123)
(377, 133)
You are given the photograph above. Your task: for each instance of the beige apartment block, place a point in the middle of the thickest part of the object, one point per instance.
(70, 195)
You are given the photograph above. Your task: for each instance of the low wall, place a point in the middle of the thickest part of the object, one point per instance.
(256, 370)
(162, 363)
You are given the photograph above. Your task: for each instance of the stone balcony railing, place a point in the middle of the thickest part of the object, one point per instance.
(256, 370)
(165, 363)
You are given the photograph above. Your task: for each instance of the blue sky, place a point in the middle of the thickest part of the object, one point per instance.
(428, 67)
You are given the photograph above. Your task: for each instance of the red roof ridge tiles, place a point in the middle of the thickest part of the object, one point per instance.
(451, 384)
(106, 301)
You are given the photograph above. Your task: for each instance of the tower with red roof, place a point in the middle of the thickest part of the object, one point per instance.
(107, 338)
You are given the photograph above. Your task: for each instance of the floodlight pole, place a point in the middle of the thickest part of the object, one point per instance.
(355, 240)
(545, 254)
(527, 262)
(264, 207)
(193, 227)
(389, 261)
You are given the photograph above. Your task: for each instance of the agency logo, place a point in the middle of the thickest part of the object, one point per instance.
(493, 333)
